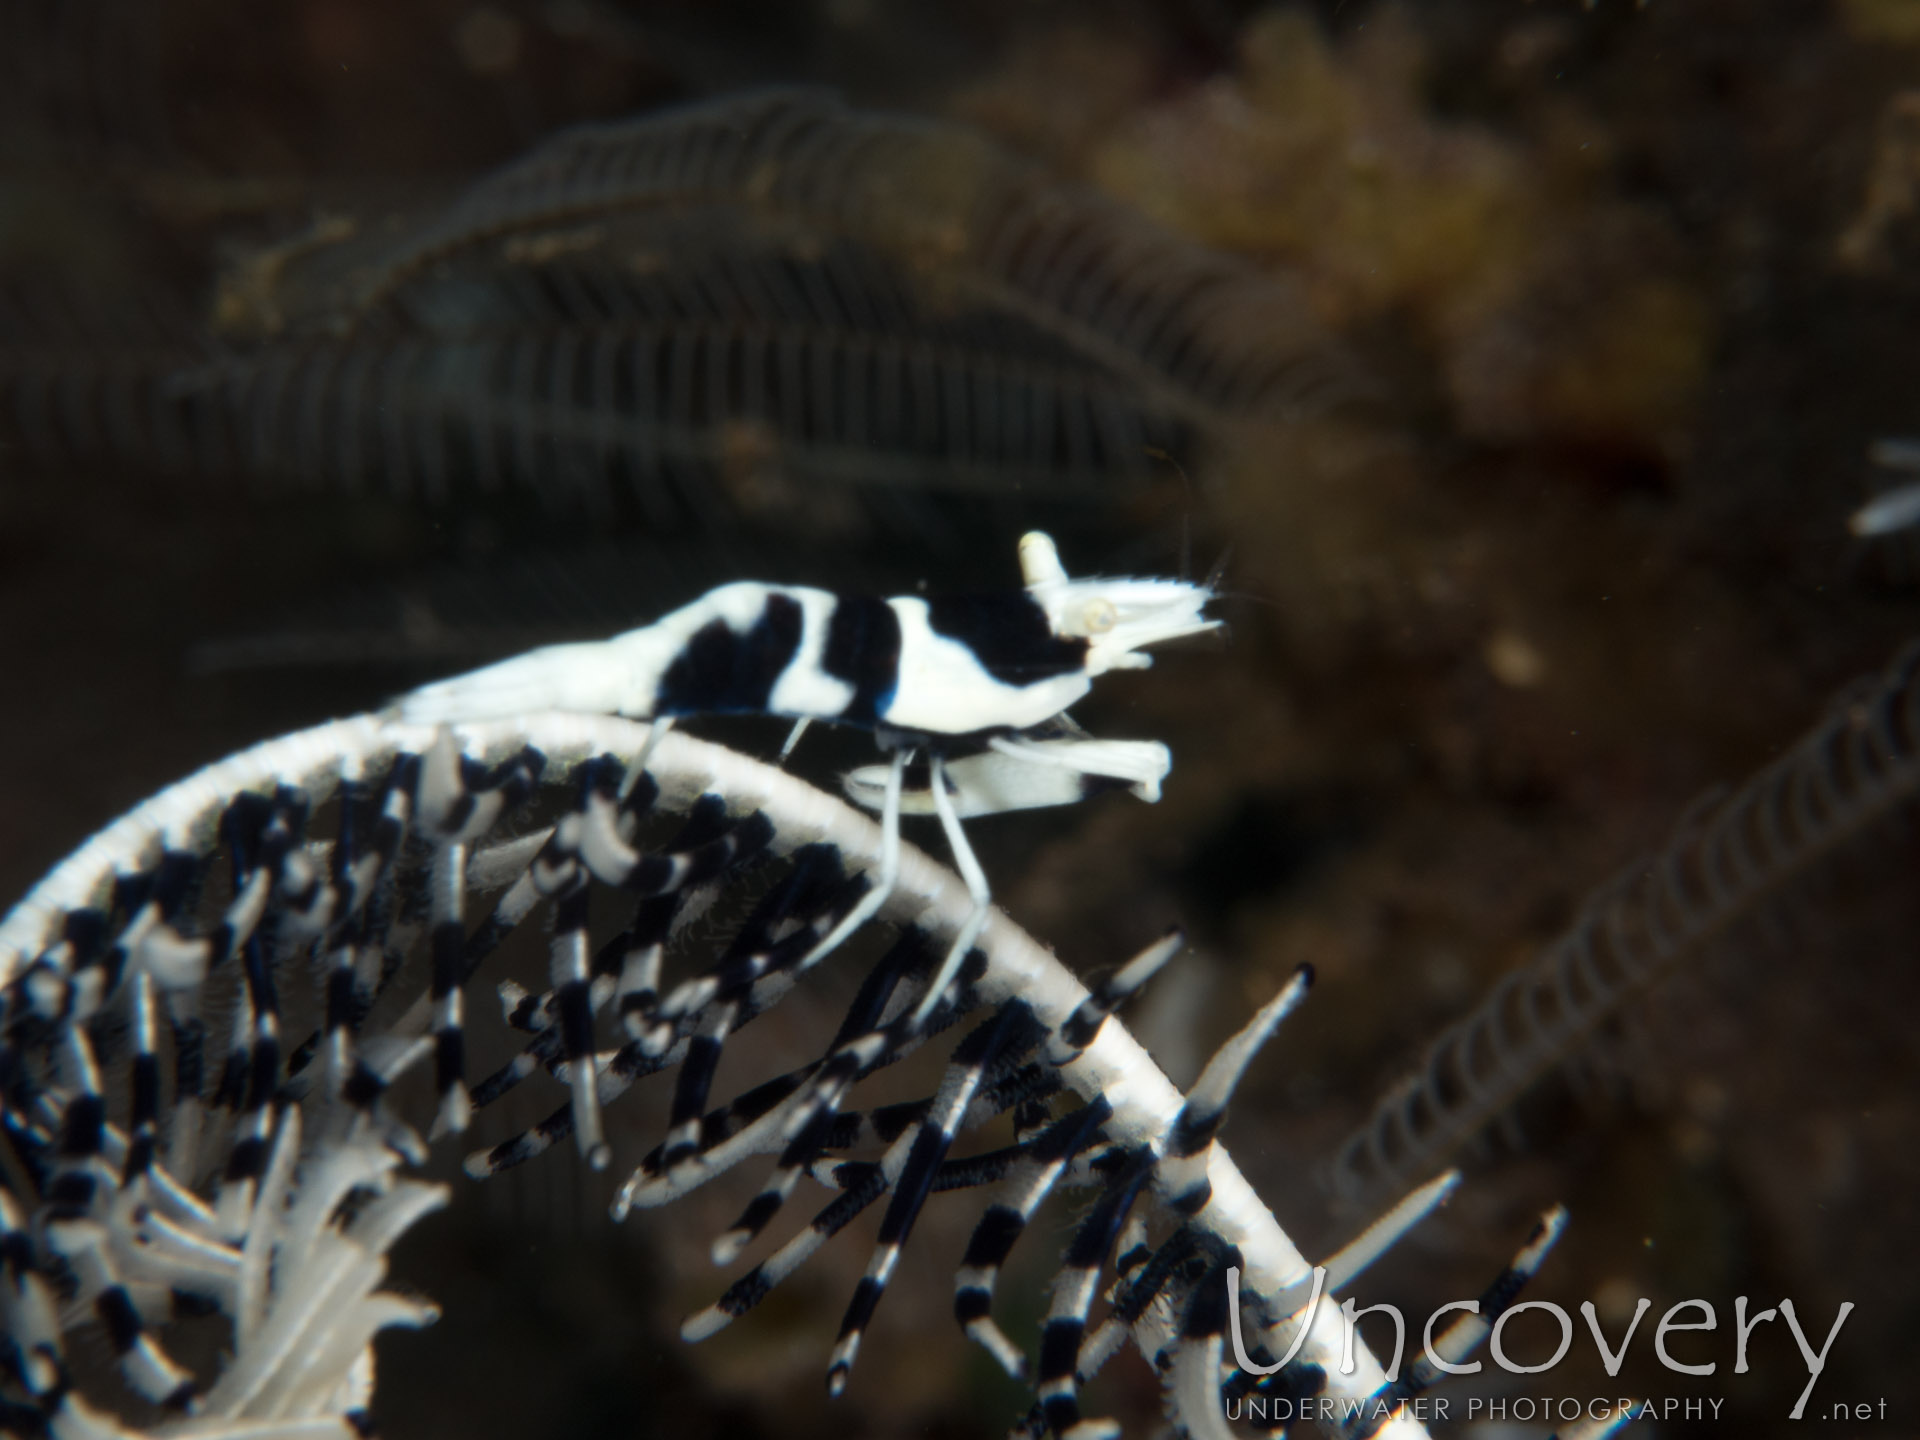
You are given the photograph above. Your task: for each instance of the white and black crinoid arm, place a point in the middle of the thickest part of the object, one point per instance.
(181, 1123)
(932, 666)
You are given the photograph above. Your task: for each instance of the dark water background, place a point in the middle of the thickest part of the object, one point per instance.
(1600, 310)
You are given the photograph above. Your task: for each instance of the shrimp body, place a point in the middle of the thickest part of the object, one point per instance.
(921, 666)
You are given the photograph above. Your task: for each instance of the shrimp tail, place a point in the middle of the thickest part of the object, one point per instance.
(603, 677)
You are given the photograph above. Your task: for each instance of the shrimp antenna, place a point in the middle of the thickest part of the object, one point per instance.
(1186, 509)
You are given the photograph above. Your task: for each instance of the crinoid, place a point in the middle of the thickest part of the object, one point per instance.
(1213, 333)
(689, 309)
(215, 1009)
(1854, 771)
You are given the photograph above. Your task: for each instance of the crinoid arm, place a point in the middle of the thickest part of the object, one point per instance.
(1856, 769)
(210, 1008)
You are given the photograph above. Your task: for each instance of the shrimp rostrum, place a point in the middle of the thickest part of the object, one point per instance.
(978, 683)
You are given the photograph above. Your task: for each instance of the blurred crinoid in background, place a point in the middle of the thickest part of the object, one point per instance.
(1530, 364)
(770, 290)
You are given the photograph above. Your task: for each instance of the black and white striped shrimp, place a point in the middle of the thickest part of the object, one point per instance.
(915, 669)
(923, 673)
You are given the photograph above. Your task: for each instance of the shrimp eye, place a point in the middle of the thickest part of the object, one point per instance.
(1099, 617)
